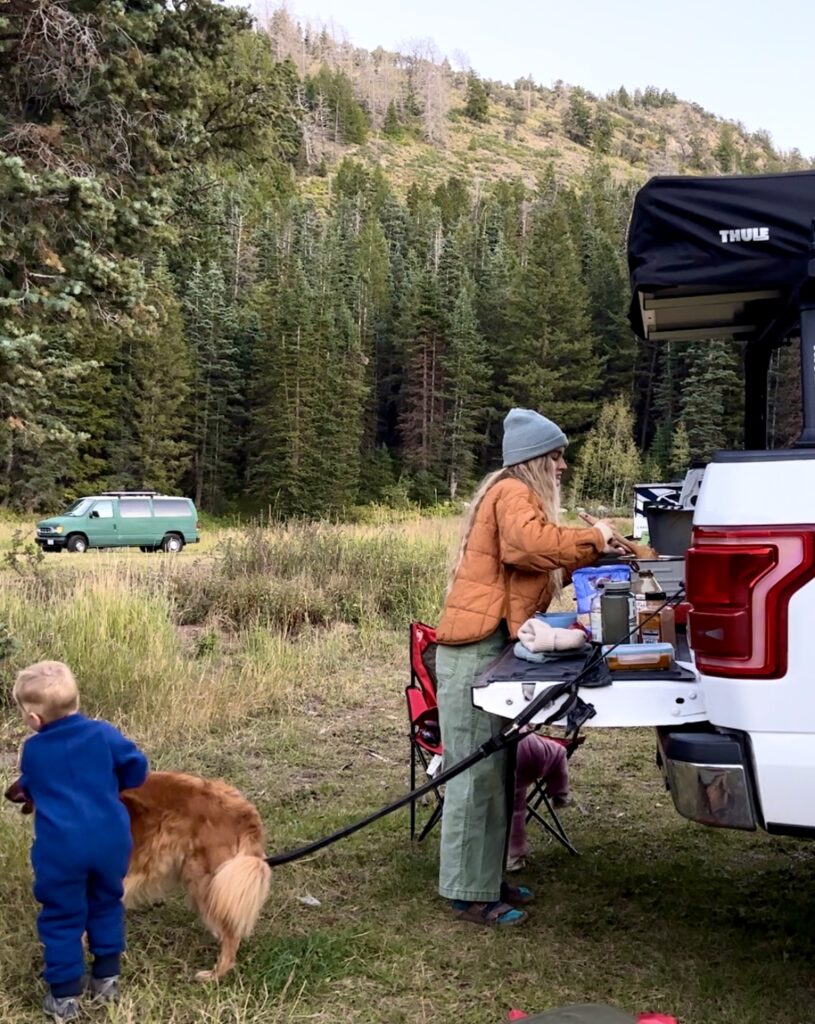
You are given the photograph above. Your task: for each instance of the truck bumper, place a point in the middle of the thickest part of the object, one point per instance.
(708, 775)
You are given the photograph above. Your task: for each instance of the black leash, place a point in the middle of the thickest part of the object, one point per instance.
(574, 709)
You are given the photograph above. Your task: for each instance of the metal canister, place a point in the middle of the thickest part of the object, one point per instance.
(617, 612)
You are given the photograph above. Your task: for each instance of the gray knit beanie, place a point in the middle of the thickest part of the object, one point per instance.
(527, 434)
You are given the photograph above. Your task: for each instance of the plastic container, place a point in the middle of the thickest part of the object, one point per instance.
(558, 620)
(617, 612)
(596, 615)
(669, 529)
(639, 657)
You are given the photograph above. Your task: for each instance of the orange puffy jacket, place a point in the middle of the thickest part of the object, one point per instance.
(506, 569)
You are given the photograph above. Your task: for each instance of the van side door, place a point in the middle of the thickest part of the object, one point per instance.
(103, 530)
(136, 523)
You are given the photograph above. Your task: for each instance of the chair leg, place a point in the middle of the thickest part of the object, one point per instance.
(557, 832)
(412, 787)
(417, 757)
(431, 821)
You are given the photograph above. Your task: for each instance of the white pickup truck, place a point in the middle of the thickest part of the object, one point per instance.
(731, 257)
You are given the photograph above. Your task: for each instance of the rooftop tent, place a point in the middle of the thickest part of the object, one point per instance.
(727, 257)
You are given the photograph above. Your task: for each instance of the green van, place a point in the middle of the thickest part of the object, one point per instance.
(117, 519)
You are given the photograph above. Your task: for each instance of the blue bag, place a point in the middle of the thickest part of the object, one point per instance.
(585, 582)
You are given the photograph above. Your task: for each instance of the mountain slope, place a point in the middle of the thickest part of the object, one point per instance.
(527, 126)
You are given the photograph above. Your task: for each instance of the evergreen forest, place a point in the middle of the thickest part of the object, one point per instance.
(253, 264)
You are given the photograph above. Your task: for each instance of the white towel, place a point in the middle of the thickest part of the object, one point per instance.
(537, 635)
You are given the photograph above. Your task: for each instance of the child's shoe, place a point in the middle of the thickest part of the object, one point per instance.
(104, 990)
(66, 1008)
(561, 800)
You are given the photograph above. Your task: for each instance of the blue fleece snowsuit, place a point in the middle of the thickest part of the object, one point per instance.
(73, 770)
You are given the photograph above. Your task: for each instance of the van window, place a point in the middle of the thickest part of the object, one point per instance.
(79, 508)
(171, 507)
(103, 510)
(134, 508)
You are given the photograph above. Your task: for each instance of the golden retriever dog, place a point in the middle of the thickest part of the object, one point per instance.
(204, 835)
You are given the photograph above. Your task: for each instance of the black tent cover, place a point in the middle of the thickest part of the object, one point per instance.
(693, 236)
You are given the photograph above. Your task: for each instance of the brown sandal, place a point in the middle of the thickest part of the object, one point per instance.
(494, 915)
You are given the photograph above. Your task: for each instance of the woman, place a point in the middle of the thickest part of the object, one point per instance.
(510, 564)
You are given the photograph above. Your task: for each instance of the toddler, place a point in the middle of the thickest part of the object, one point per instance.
(73, 769)
(537, 758)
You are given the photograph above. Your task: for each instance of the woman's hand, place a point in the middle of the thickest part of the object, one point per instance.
(616, 544)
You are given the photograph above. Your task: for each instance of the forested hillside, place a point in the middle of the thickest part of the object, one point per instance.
(272, 270)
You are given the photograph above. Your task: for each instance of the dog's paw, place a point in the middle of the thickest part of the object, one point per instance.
(206, 976)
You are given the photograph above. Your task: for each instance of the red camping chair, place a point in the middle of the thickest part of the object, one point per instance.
(425, 739)
(423, 715)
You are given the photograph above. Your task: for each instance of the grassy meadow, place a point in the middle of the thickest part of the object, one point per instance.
(276, 659)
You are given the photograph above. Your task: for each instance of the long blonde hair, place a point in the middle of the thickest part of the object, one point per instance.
(539, 476)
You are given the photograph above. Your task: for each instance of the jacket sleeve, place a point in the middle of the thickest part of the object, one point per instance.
(528, 541)
(130, 764)
(23, 766)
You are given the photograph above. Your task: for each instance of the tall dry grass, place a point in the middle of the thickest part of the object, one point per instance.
(173, 648)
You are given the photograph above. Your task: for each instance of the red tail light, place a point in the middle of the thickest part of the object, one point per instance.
(739, 585)
(197, 525)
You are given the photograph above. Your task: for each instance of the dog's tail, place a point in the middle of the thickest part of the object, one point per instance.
(237, 893)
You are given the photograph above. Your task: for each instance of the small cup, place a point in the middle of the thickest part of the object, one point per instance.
(558, 620)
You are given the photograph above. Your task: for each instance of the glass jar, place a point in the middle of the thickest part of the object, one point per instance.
(656, 623)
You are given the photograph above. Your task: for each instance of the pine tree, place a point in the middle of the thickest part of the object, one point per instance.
(608, 296)
(477, 105)
(680, 457)
(453, 200)
(282, 399)
(784, 406)
(421, 401)
(45, 388)
(554, 366)
(392, 127)
(726, 152)
(602, 131)
(372, 308)
(161, 374)
(577, 121)
(666, 394)
(709, 392)
(465, 370)
(212, 328)
(661, 448)
(623, 98)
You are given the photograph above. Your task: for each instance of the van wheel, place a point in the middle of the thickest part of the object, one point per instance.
(77, 543)
(172, 543)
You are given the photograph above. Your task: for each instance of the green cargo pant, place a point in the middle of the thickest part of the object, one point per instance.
(474, 821)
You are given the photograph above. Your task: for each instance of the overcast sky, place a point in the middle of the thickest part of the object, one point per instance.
(747, 60)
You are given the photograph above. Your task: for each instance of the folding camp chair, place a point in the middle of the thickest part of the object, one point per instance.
(538, 796)
(423, 716)
(425, 740)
